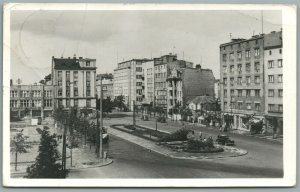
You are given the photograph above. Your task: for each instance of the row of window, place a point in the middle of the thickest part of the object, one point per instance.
(160, 84)
(242, 93)
(240, 54)
(246, 43)
(239, 80)
(160, 67)
(275, 108)
(30, 103)
(271, 93)
(271, 63)
(241, 105)
(161, 75)
(271, 78)
(68, 104)
(240, 66)
(34, 93)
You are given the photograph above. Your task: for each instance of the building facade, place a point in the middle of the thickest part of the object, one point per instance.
(163, 67)
(74, 82)
(33, 100)
(242, 76)
(107, 88)
(273, 81)
(128, 81)
(187, 83)
(148, 75)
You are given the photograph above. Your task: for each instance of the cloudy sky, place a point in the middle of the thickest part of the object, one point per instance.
(114, 36)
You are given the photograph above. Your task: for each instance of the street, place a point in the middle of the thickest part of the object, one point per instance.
(264, 159)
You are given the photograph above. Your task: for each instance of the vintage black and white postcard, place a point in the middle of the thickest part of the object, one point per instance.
(149, 95)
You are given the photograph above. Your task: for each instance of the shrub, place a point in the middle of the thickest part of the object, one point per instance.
(199, 145)
(180, 135)
(257, 127)
(161, 119)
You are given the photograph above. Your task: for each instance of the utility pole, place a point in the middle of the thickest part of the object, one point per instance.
(134, 113)
(101, 119)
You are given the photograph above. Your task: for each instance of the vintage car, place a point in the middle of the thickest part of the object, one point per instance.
(224, 140)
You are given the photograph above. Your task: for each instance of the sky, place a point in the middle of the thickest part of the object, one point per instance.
(115, 36)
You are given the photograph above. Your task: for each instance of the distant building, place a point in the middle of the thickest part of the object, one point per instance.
(273, 81)
(162, 69)
(74, 81)
(128, 81)
(217, 89)
(148, 74)
(187, 83)
(242, 87)
(104, 76)
(35, 100)
(107, 87)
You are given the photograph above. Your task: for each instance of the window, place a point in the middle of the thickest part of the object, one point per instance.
(25, 93)
(67, 102)
(48, 93)
(139, 69)
(271, 78)
(88, 103)
(59, 92)
(88, 91)
(225, 93)
(59, 75)
(225, 69)
(257, 66)
(240, 105)
(239, 54)
(247, 53)
(59, 83)
(280, 108)
(279, 78)
(270, 64)
(257, 79)
(60, 102)
(75, 91)
(248, 106)
(248, 80)
(36, 93)
(271, 107)
(225, 81)
(225, 104)
(270, 52)
(88, 63)
(13, 93)
(239, 80)
(240, 93)
(271, 92)
(48, 103)
(248, 92)
(231, 57)
(68, 75)
(279, 62)
(13, 103)
(248, 67)
(24, 103)
(231, 81)
(231, 92)
(75, 75)
(224, 57)
(231, 68)
(257, 106)
(76, 102)
(256, 52)
(280, 92)
(257, 93)
(280, 51)
(239, 67)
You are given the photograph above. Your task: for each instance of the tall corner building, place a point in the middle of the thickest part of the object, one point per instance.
(242, 80)
(251, 79)
(74, 81)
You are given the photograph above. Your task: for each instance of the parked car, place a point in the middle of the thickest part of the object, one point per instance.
(224, 140)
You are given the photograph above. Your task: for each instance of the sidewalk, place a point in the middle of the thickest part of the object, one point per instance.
(166, 151)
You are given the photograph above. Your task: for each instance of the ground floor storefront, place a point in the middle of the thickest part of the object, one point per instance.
(241, 121)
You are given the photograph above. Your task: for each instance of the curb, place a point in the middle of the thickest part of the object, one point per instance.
(171, 155)
(110, 161)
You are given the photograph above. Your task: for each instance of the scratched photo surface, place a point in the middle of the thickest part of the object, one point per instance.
(146, 94)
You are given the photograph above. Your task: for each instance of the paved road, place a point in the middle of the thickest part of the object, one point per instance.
(264, 159)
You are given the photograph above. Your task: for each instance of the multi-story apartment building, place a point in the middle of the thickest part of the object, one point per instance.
(162, 69)
(107, 88)
(187, 83)
(273, 81)
(36, 100)
(242, 76)
(148, 74)
(74, 81)
(217, 89)
(128, 81)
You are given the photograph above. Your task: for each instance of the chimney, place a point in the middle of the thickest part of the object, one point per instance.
(198, 66)
(74, 57)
